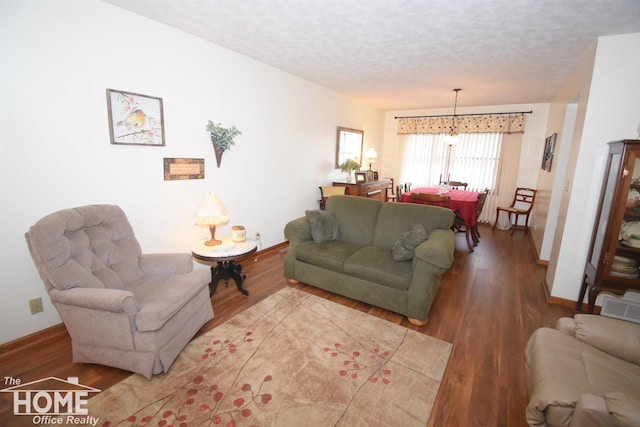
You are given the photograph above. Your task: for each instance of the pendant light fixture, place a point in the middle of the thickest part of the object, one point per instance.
(453, 137)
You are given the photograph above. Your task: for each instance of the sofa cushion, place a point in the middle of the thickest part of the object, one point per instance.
(330, 255)
(323, 225)
(395, 219)
(376, 265)
(357, 217)
(405, 246)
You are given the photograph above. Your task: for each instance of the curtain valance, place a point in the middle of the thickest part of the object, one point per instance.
(485, 123)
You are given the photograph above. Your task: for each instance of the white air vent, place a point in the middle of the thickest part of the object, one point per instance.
(620, 308)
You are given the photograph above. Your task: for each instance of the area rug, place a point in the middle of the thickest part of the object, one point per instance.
(292, 359)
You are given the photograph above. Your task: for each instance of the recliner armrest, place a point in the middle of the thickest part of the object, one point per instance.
(616, 337)
(113, 300)
(166, 264)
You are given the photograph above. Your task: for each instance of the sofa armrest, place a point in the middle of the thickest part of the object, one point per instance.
(166, 264)
(437, 250)
(618, 338)
(297, 231)
(112, 300)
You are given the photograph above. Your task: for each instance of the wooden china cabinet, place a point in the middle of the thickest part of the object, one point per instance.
(614, 254)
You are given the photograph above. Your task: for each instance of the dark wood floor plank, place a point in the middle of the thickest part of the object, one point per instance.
(488, 304)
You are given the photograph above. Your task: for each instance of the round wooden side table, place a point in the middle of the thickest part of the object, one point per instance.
(222, 259)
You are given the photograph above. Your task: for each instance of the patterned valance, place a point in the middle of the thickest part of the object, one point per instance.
(486, 123)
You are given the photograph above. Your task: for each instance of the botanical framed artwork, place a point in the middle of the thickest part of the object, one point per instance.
(135, 119)
(549, 148)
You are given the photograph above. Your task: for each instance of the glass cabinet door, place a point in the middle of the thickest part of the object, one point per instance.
(623, 266)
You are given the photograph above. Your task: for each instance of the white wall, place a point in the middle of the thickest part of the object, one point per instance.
(608, 108)
(57, 60)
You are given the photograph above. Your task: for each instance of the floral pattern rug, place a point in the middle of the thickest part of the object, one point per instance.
(292, 359)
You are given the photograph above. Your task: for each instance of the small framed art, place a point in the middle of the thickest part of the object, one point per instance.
(181, 168)
(135, 119)
(549, 148)
(361, 177)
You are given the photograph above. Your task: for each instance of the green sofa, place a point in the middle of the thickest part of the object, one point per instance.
(358, 260)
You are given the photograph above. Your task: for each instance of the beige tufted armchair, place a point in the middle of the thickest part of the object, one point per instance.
(121, 308)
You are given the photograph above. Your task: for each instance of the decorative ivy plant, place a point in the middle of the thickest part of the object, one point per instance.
(349, 165)
(222, 137)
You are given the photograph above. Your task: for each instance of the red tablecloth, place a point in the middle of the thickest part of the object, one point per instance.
(464, 202)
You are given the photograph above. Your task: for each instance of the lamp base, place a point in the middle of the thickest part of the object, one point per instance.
(213, 242)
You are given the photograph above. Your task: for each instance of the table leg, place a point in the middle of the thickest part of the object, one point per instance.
(227, 270)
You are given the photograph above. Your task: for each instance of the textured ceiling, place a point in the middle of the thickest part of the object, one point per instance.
(403, 54)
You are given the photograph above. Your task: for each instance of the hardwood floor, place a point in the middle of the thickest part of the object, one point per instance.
(488, 304)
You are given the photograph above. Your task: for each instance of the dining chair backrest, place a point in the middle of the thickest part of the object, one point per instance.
(482, 198)
(523, 199)
(457, 185)
(431, 199)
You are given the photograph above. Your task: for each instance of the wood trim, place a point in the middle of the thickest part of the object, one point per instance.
(36, 339)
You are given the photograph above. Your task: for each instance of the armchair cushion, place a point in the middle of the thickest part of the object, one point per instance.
(624, 408)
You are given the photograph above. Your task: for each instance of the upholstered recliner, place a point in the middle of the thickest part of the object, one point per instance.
(121, 308)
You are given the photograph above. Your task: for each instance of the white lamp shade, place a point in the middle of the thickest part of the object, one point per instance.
(371, 154)
(211, 211)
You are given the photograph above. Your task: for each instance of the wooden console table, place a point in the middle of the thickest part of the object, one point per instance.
(372, 189)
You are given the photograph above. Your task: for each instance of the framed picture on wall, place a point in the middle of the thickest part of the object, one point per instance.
(549, 148)
(135, 119)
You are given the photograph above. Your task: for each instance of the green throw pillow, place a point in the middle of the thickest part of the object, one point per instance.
(405, 246)
(323, 225)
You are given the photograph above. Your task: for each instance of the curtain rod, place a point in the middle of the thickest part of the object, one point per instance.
(460, 115)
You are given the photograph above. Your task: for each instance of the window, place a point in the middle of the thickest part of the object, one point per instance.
(475, 159)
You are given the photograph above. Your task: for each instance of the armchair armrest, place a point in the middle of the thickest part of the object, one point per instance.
(437, 250)
(166, 264)
(113, 300)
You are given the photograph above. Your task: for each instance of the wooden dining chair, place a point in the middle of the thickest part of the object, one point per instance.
(431, 199)
(522, 203)
(456, 185)
(328, 191)
(482, 198)
(392, 196)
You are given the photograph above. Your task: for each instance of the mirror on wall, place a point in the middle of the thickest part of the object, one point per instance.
(349, 145)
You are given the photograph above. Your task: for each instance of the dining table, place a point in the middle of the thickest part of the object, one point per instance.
(463, 203)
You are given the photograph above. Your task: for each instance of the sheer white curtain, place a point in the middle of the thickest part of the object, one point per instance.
(480, 159)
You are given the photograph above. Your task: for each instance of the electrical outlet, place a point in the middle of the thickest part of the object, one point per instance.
(258, 236)
(35, 306)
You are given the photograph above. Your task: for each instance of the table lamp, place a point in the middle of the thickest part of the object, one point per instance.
(371, 156)
(211, 212)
